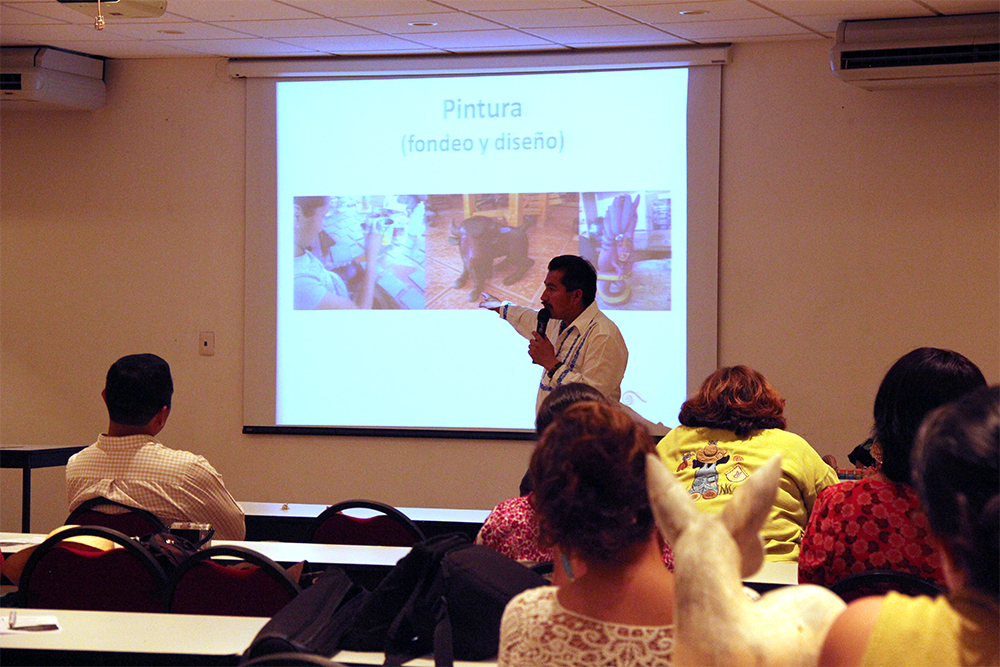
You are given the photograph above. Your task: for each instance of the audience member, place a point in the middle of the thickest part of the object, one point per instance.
(512, 526)
(129, 466)
(956, 477)
(876, 523)
(590, 495)
(729, 429)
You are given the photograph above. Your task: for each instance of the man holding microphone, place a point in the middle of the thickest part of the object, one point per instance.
(570, 338)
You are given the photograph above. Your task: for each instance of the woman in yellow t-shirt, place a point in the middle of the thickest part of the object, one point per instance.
(955, 473)
(729, 429)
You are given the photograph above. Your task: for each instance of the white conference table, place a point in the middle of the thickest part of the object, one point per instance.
(113, 637)
(771, 574)
(291, 521)
(95, 637)
(280, 552)
(311, 511)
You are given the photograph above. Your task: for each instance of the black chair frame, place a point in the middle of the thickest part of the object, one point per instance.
(277, 572)
(406, 522)
(92, 505)
(126, 542)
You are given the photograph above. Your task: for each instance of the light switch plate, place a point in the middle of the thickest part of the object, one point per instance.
(206, 343)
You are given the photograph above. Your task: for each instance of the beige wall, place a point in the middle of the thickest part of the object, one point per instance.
(854, 226)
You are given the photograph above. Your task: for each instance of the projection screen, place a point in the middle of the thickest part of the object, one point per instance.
(384, 196)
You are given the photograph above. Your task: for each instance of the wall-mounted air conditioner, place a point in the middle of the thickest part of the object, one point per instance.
(898, 53)
(41, 77)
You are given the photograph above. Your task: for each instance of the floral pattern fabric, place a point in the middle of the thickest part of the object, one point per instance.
(864, 525)
(537, 630)
(512, 529)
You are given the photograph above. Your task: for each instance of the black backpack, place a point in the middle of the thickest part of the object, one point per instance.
(314, 621)
(445, 597)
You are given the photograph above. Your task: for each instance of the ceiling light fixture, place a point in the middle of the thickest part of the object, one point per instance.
(693, 12)
(422, 24)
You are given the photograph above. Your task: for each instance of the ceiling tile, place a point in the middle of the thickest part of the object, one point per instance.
(607, 35)
(173, 31)
(478, 6)
(727, 30)
(231, 10)
(316, 27)
(129, 49)
(52, 35)
(693, 4)
(445, 22)
(14, 15)
(557, 18)
(480, 39)
(842, 8)
(246, 48)
(52, 11)
(951, 7)
(350, 8)
(718, 10)
(356, 44)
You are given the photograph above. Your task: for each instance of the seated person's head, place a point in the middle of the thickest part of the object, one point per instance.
(955, 473)
(310, 213)
(590, 483)
(737, 399)
(916, 384)
(137, 389)
(561, 398)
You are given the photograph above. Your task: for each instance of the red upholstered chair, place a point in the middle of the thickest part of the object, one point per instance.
(229, 581)
(62, 574)
(389, 528)
(133, 522)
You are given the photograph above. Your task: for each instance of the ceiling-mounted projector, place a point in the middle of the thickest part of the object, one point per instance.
(126, 9)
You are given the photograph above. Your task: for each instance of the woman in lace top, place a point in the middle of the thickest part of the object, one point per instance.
(590, 495)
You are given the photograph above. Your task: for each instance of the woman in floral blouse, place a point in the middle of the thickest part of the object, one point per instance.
(877, 523)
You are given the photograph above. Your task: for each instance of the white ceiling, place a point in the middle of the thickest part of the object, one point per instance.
(256, 28)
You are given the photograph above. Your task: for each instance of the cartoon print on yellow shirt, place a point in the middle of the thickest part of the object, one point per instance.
(706, 474)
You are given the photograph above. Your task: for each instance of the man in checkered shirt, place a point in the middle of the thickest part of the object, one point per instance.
(128, 465)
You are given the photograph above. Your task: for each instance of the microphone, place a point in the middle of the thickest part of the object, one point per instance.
(543, 321)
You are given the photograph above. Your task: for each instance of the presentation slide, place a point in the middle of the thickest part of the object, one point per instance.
(401, 201)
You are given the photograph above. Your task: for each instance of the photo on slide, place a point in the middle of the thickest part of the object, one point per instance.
(442, 252)
(626, 236)
(359, 252)
(497, 243)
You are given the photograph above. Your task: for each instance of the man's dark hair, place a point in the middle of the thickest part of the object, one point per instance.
(138, 386)
(577, 274)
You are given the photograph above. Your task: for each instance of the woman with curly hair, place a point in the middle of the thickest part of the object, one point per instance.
(589, 473)
(877, 523)
(731, 427)
(954, 471)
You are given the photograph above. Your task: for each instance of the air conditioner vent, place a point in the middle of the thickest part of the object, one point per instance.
(921, 56)
(10, 81)
(926, 51)
(45, 78)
